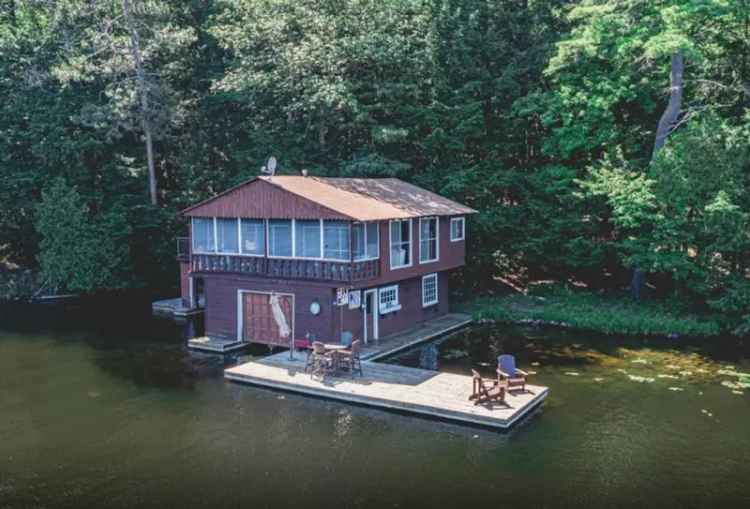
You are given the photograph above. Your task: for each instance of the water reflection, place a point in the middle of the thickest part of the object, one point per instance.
(121, 414)
(428, 356)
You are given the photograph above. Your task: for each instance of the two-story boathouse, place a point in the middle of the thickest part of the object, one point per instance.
(369, 257)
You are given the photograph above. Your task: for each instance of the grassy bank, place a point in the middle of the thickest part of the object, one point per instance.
(589, 311)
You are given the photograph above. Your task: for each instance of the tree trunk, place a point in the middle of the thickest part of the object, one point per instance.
(664, 129)
(672, 112)
(135, 51)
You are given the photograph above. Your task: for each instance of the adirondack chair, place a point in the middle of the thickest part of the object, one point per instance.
(508, 372)
(482, 394)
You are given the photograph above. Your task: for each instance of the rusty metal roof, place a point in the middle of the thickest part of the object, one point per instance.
(361, 199)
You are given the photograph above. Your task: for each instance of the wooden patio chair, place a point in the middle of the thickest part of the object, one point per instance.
(307, 345)
(349, 359)
(320, 360)
(483, 394)
(508, 372)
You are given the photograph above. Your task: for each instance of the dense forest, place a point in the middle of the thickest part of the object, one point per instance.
(604, 142)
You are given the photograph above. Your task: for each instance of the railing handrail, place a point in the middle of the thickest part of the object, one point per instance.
(326, 270)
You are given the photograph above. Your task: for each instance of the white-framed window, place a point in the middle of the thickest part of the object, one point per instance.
(429, 290)
(253, 237)
(366, 241)
(336, 240)
(429, 249)
(307, 238)
(388, 299)
(280, 237)
(400, 237)
(227, 235)
(204, 240)
(458, 226)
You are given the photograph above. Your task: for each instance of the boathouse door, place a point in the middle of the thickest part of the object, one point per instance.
(266, 317)
(370, 315)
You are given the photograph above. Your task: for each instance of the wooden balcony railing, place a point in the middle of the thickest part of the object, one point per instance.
(287, 268)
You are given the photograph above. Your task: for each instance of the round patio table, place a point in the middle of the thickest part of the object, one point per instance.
(335, 348)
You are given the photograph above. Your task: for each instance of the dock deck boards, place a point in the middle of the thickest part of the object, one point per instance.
(173, 307)
(215, 345)
(420, 333)
(430, 393)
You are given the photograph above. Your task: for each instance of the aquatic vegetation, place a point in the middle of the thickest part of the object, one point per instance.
(583, 310)
(454, 354)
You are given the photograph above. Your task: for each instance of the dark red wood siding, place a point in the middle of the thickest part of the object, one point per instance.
(221, 304)
(185, 283)
(260, 199)
(222, 297)
(411, 312)
(451, 255)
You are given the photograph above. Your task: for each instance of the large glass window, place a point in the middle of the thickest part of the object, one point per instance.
(336, 240)
(307, 238)
(227, 235)
(279, 237)
(365, 241)
(400, 243)
(428, 239)
(203, 235)
(253, 237)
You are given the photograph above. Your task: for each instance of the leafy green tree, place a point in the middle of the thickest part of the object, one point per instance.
(137, 52)
(79, 252)
(688, 216)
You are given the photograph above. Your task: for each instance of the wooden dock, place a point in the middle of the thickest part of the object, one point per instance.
(391, 387)
(215, 345)
(173, 307)
(420, 333)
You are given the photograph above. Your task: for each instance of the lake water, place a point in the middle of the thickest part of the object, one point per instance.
(119, 414)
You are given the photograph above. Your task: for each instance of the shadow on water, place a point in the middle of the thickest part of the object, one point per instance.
(127, 341)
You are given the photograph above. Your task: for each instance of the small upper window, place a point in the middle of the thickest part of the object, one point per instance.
(458, 224)
(388, 297)
(400, 243)
(429, 290)
(204, 240)
(428, 239)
